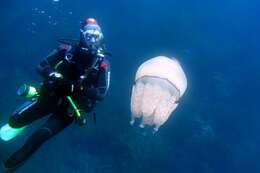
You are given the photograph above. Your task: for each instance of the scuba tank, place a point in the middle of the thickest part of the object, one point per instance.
(27, 91)
(31, 92)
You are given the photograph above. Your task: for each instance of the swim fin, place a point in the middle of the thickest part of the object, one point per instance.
(7, 132)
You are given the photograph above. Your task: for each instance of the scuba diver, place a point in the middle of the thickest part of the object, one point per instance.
(75, 77)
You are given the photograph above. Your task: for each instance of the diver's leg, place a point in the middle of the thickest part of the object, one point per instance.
(28, 113)
(54, 125)
(22, 116)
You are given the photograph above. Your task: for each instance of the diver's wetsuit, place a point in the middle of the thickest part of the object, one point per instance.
(85, 79)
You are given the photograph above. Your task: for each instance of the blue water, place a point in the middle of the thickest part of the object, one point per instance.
(215, 128)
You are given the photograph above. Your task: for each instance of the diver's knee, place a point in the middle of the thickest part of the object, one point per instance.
(40, 136)
(44, 131)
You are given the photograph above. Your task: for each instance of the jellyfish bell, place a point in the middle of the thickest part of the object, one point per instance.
(159, 84)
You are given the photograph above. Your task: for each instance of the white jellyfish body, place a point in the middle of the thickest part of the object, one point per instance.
(159, 84)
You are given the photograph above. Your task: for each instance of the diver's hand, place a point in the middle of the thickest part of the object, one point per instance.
(55, 76)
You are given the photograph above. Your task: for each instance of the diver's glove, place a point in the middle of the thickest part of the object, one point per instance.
(55, 76)
(61, 86)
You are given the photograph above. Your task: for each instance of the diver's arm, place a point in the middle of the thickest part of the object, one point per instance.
(104, 80)
(47, 65)
(99, 92)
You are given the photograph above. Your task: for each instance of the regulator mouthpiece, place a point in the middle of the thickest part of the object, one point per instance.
(27, 91)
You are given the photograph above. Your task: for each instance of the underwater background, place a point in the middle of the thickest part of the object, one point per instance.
(216, 126)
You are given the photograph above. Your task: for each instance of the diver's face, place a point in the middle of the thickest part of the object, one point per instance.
(92, 37)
